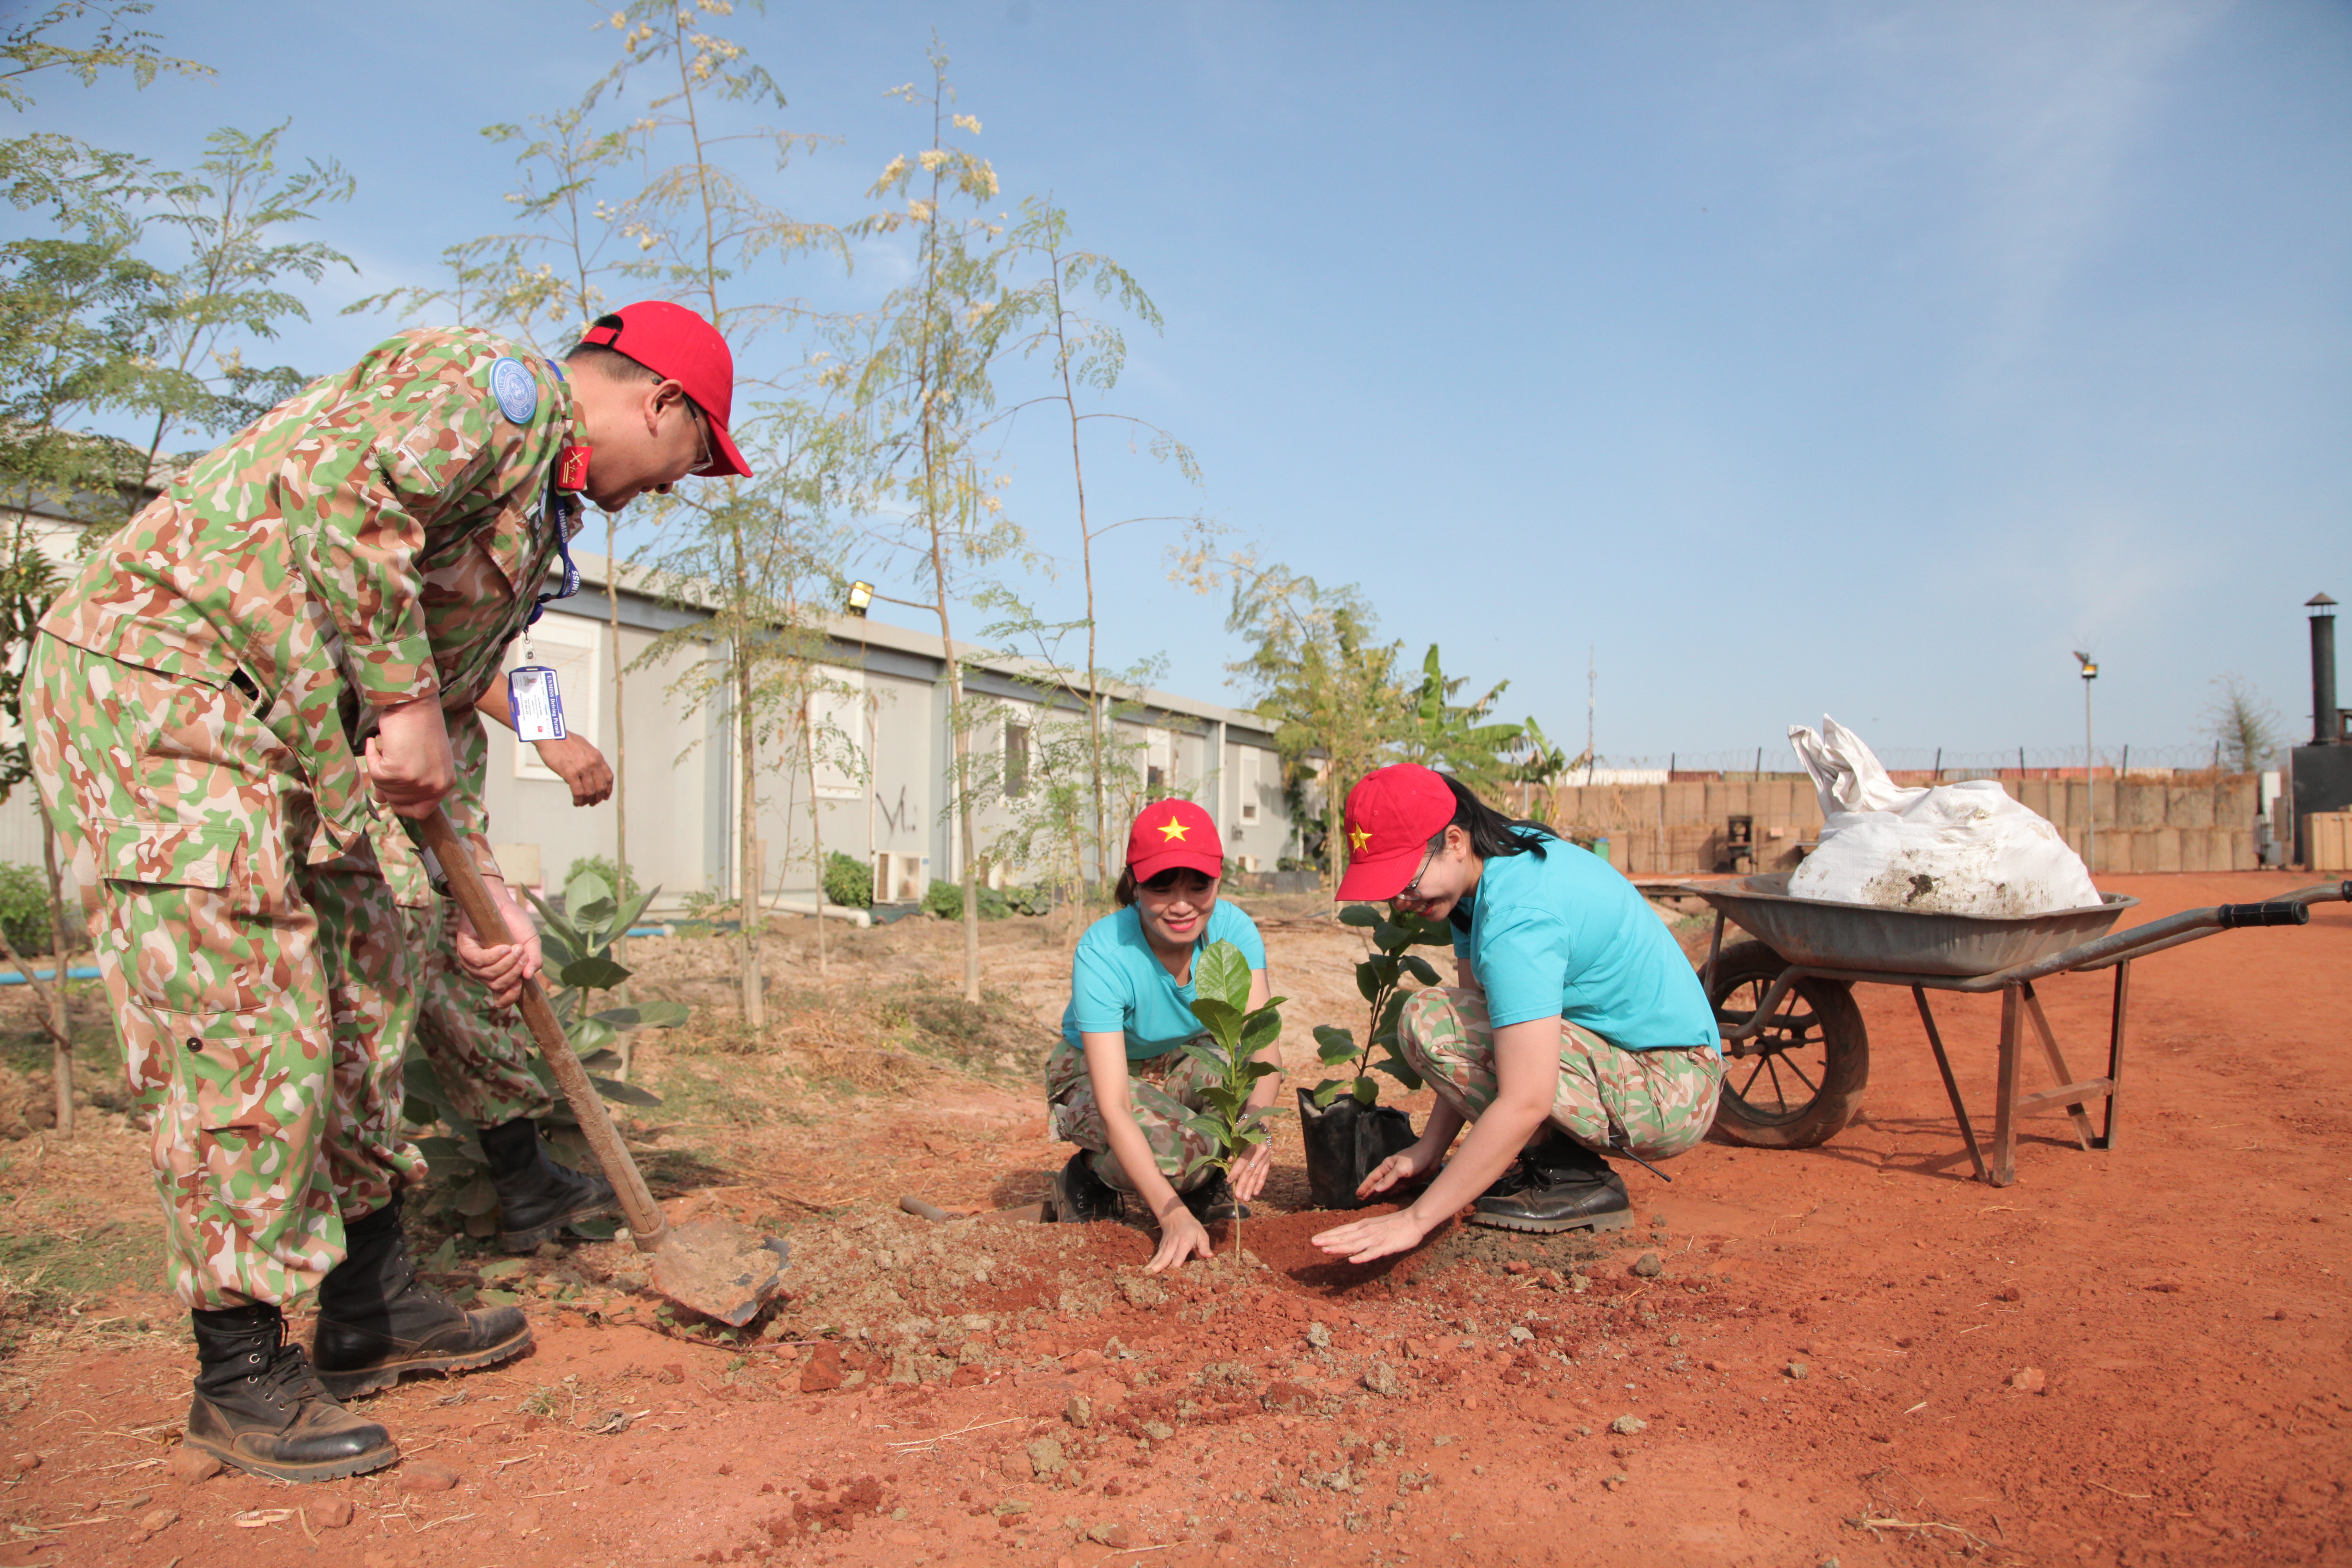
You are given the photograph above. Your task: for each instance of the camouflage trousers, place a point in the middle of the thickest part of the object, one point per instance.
(1162, 1091)
(481, 1054)
(1662, 1101)
(262, 1000)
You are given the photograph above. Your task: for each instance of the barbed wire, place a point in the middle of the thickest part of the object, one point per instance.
(1779, 758)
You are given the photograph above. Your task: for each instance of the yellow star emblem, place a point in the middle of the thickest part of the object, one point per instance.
(1357, 839)
(1172, 828)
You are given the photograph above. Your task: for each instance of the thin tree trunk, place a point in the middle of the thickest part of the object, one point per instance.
(60, 1019)
(816, 829)
(748, 872)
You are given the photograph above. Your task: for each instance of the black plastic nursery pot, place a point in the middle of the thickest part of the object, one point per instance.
(1345, 1141)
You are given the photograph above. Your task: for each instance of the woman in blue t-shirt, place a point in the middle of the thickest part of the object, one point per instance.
(1120, 1083)
(1577, 1025)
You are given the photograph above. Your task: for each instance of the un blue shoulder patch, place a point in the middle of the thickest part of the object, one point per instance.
(518, 394)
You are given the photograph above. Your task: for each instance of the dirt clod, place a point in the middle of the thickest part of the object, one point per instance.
(189, 1466)
(2028, 1380)
(1797, 1368)
(1046, 1458)
(154, 1522)
(1626, 1426)
(1080, 1412)
(1648, 1266)
(1382, 1379)
(331, 1512)
(424, 1475)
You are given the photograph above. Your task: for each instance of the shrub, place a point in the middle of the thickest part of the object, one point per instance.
(25, 909)
(848, 881)
(945, 900)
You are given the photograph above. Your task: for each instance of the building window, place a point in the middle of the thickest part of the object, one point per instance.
(1016, 761)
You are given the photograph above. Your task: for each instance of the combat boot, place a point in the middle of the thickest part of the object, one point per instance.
(1214, 1200)
(1081, 1198)
(260, 1407)
(1559, 1184)
(377, 1321)
(538, 1198)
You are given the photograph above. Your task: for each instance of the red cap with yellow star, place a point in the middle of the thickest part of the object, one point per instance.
(1393, 813)
(1174, 834)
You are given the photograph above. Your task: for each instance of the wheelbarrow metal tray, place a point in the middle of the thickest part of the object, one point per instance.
(1866, 937)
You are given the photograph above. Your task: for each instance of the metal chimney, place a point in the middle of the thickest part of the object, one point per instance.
(2326, 723)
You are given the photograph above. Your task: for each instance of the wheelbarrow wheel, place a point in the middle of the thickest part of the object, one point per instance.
(1797, 1083)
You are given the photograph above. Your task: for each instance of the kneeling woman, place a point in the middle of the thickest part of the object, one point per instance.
(1577, 1025)
(1120, 1083)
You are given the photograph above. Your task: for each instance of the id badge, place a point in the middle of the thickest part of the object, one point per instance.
(536, 706)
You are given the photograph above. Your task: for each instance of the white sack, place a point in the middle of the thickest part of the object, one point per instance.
(1959, 849)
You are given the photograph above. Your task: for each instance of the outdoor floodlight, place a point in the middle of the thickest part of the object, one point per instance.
(861, 594)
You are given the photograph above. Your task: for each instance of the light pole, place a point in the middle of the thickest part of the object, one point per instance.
(2090, 770)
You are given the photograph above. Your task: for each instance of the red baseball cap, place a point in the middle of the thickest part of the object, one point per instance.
(680, 346)
(1174, 834)
(1393, 813)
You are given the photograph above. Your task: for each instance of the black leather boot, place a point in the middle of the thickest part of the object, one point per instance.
(1559, 1184)
(259, 1406)
(1214, 1200)
(377, 1321)
(538, 1198)
(1081, 1198)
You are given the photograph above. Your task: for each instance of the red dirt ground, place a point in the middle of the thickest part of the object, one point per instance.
(2137, 1356)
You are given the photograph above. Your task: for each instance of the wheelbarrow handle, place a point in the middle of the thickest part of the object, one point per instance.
(2277, 912)
(646, 1226)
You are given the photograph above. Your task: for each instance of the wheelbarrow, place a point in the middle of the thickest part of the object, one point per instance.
(1800, 1055)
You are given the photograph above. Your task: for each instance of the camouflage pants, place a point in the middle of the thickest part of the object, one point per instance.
(481, 1054)
(262, 1001)
(1662, 1101)
(1162, 1091)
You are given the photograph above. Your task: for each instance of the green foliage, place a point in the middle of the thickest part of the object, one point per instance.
(1221, 990)
(1380, 980)
(25, 909)
(601, 867)
(577, 945)
(1451, 737)
(945, 900)
(849, 881)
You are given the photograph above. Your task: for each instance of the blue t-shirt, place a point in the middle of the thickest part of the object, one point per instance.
(1118, 983)
(1564, 933)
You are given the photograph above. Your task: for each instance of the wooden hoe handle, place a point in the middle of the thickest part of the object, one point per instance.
(646, 1226)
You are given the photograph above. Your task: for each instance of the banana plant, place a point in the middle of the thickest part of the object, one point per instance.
(577, 948)
(1380, 976)
(1221, 989)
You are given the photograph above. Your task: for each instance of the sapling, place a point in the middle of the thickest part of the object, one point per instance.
(1380, 976)
(1221, 990)
(578, 946)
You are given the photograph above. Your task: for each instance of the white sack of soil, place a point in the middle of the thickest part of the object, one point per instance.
(1958, 848)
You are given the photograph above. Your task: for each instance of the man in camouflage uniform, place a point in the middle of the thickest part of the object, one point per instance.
(482, 1056)
(232, 707)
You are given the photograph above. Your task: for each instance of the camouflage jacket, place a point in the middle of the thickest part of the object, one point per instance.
(377, 538)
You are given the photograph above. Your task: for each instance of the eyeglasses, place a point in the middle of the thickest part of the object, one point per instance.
(701, 438)
(1412, 894)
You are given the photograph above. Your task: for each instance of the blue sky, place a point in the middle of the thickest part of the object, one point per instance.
(1793, 358)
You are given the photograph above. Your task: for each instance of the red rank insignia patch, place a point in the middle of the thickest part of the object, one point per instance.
(571, 468)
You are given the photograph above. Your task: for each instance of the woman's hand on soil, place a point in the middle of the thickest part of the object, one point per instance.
(1250, 1172)
(1378, 1237)
(1181, 1237)
(1402, 1166)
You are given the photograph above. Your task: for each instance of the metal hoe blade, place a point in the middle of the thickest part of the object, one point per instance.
(720, 1268)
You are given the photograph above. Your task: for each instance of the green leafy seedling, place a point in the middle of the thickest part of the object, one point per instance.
(1221, 989)
(1380, 978)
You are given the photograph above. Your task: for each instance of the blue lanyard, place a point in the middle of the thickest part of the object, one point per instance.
(560, 509)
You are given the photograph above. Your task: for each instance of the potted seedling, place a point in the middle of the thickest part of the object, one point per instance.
(1221, 989)
(1347, 1131)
